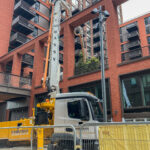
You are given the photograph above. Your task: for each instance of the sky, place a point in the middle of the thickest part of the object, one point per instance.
(134, 8)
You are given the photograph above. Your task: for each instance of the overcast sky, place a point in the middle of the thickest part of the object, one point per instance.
(134, 8)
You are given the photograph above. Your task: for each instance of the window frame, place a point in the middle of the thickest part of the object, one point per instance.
(79, 100)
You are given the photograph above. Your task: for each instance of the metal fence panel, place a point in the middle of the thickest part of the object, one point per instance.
(124, 137)
(61, 137)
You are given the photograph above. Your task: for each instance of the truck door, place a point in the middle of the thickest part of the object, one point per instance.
(77, 111)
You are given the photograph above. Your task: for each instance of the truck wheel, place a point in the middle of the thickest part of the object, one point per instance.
(52, 147)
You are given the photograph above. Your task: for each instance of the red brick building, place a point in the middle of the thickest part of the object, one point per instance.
(121, 65)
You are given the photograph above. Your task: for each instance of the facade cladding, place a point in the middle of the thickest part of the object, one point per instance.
(127, 57)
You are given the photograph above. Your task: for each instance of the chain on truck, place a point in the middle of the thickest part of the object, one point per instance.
(55, 108)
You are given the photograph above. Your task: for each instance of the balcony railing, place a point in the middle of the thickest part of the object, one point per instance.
(95, 21)
(133, 35)
(30, 2)
(134, 45)
(24, 9)
(136, 54)
(96, 35)
(61, 58)
(26, 58)
(132, 27)
(132, 55)
(22, 25)
(17, 39)
(10, 80)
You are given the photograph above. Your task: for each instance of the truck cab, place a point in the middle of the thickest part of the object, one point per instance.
(77, 108)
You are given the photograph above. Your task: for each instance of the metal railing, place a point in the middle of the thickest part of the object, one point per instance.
(87, 136)
(18, 36)
(131, 45)
(115, 136)
(132, 25)
(23, 21)
(10, 80)
(27, 59)
(135, 54)
(44, 137)
(132, 34)
(132, 55)
(25, 5)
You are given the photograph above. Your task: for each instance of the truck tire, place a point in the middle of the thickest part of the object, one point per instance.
(52, 147)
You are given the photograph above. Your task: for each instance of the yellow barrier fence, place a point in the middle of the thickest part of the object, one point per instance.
(124, 137)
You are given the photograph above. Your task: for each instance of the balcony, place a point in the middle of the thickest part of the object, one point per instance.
(96, 47)
(61, 45)
(86, 68)
(132, 55)
(95, 30)
(27, 60)
(95, 21)
(96, 35)
(96, 39)
(30, 2)
(17, 39)
(75, 11)
(134, 45)
(60, 58)
(22, 25)
(14, 84)
(133, 35)
(132, 27)
(77, 43)
(24, 9)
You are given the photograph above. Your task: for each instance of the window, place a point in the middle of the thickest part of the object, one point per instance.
(147, 24)
(148, 39)
(136, 91)
(131, 90)
(36, 18)
(37, 6)
(76, 108)
(35, 32)
(147, 20)
(96, 110)
(148, 30)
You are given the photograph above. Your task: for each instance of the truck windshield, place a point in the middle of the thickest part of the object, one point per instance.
(96, 110)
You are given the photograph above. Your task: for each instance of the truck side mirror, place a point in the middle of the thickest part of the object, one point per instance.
(84, 110)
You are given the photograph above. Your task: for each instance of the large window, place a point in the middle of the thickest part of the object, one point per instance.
(148, 29)
(147, 24)
(136, 91)
(148, 39)
(147, 20)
